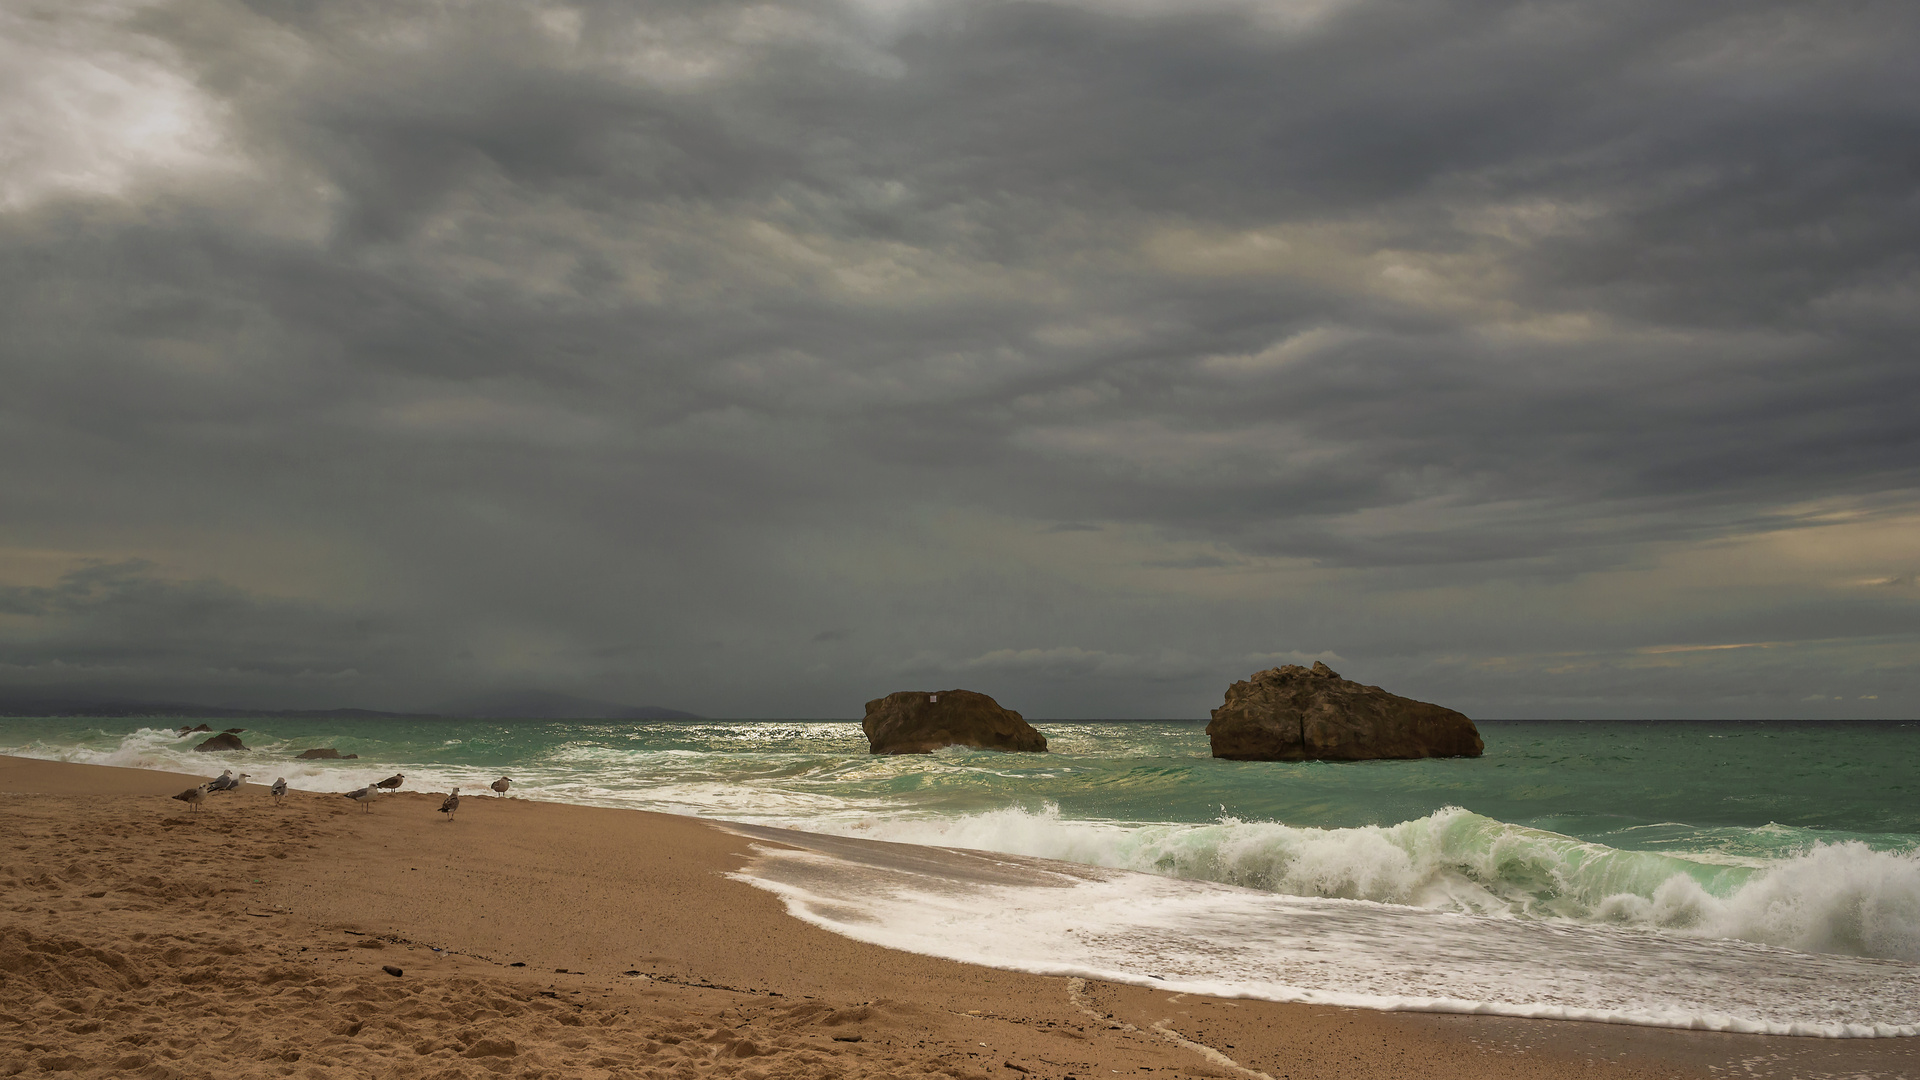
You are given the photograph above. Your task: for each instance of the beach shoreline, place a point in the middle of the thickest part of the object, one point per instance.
(244, 933)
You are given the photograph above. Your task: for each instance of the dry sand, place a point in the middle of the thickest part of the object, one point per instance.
(139, 938)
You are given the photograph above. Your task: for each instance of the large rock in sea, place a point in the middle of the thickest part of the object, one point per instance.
(922, 721)
(1294, 713)
(223, 741)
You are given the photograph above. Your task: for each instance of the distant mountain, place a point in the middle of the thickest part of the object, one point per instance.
(546, 705)
(117, 709)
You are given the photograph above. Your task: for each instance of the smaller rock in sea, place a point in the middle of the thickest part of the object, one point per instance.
(922, 721)
(324, 753)
(220, 743)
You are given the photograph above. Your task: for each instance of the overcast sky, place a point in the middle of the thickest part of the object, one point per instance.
(1540, 359)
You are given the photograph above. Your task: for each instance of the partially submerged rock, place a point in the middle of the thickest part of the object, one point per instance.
(221, 742)
(323, 753)
(1294, 713)
(922, 721)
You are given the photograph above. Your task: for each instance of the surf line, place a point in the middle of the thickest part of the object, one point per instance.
(1076, 993)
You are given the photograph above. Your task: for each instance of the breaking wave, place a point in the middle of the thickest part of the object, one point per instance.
(1844, 898)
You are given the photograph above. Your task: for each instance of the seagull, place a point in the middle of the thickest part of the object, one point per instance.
(221, 782)
(450, 804)
(278, 790)
(392, 783)
(501, 785)
(364, 796)
(232, 783)
(193, 796)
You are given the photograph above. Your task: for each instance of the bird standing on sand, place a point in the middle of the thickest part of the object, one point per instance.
(392, 783)
(501, 785)
(193, 796)
(232, 782)
(364, 796)
(221, 782)
(278, 790)
(450, 804)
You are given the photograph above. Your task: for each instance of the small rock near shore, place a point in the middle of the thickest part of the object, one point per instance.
(220, 743)
(922, 721)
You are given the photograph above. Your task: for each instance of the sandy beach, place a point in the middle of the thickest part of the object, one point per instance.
(535, 939)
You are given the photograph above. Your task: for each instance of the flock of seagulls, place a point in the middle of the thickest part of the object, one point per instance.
(196, 797)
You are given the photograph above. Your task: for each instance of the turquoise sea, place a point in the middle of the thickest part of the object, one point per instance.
(1756, 876)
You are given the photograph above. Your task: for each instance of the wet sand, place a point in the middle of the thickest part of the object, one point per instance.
(138, 937)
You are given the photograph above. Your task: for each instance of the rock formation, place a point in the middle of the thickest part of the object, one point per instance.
(921, 721)
(323, 753)
(222, 741)
(1294, 713)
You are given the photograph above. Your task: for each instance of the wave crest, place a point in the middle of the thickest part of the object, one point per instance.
(1844, 898)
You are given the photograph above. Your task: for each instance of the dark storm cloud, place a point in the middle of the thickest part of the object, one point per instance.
(613, 348)
(119, 628)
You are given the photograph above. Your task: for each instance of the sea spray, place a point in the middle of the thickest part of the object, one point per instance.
(1834, 898)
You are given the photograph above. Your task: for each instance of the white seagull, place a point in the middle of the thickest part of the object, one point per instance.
(221, 782)
(193, 796)
(364, 796)
(278, 790)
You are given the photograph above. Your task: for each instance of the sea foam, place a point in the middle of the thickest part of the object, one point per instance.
(1203, 937)
(1842, 897)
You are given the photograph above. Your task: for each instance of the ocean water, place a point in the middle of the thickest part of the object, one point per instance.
(1742, 876)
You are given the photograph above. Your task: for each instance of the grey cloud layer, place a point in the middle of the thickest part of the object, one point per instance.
(1091, 349)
